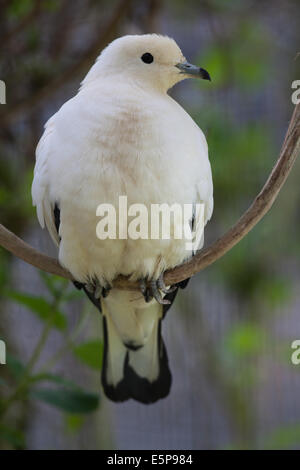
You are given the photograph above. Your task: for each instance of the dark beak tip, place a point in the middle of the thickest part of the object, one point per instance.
(204, 74)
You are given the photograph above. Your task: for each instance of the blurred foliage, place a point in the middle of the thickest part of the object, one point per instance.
(245, 340)
(246, 63)
(248, 49)
(24, 382)
(89, 353)
(17, 9)
(287, 437)
(40, 307)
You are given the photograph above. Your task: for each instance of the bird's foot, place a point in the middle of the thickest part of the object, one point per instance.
(154, 288)
(162, 286)
(98, 290)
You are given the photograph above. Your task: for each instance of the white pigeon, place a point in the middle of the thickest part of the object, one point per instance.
(122, 134)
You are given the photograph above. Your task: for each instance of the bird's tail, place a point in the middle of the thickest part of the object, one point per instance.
(135, 361)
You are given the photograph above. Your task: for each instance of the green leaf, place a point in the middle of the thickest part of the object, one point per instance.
(40, 307)
(275, 291)
(74, 295)
(287, 437)
(245, 340)
(71, 401)
(74, 422)
(19, 8)
(250, 55)
(91, 353)
(12, 436)
(15, 366)
(243, 62)
(58, 379)
(55, 284)
(51, 5)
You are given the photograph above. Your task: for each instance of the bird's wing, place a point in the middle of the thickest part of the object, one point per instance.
(204, 190)
(205, 197)
(40, 189)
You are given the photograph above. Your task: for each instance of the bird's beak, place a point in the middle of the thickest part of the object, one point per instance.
(193, 70)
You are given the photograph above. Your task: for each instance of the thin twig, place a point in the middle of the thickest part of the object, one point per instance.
(260, 206)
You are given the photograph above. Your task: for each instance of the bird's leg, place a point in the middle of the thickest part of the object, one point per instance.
(145, 290)
(106, 290)
(162, 286)
(98, 289)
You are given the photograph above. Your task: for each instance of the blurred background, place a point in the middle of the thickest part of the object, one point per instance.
(229, 334)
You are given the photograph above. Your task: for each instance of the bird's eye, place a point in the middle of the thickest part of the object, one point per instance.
(147, 58)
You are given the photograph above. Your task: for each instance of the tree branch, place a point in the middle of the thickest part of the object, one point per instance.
(260, 206)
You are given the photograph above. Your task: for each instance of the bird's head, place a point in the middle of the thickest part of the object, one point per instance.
(148, 59)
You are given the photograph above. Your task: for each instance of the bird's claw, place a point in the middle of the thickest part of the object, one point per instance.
(156, 293)
(152, 290)
(162, 286)
(98, 290)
